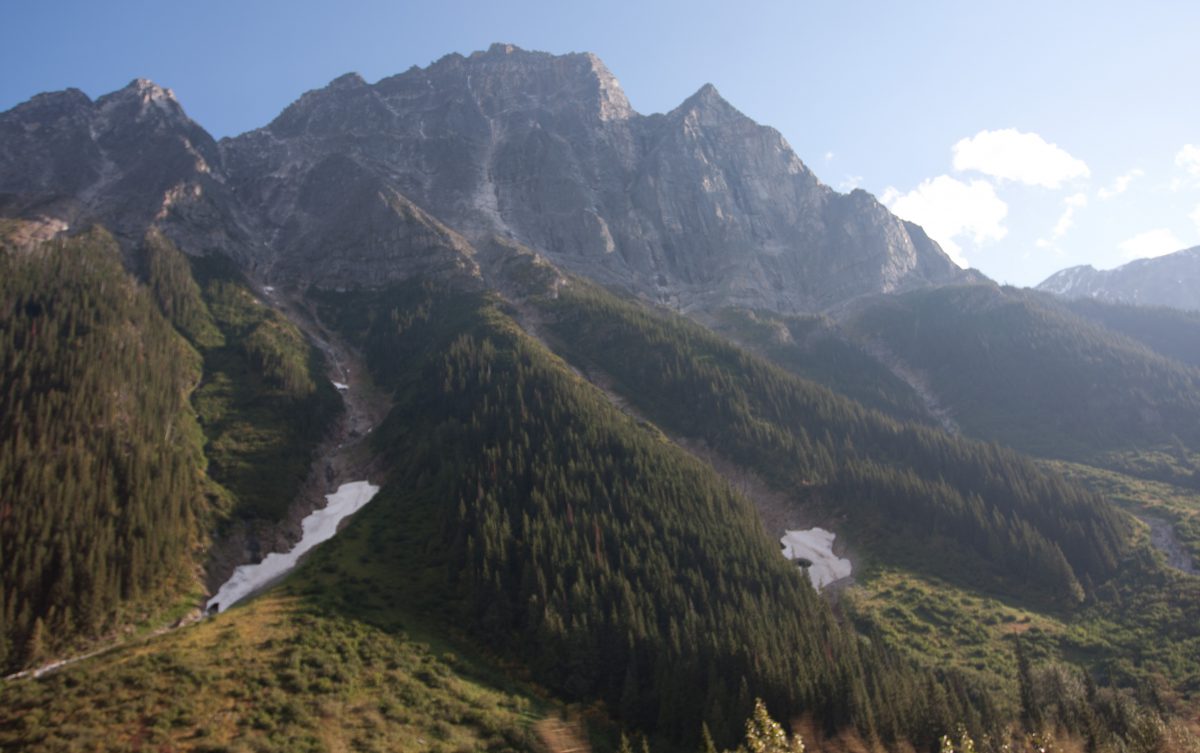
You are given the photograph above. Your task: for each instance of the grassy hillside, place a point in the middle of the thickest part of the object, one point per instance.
(272, 676)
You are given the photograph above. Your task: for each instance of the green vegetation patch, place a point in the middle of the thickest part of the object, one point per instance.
(265, 402)
(271, 676)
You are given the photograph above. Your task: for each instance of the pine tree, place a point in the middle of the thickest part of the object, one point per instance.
(765, 735)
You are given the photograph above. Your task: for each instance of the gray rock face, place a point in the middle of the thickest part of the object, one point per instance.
(698, 207)
(129, 160)
(1172, 280)
(358, 184)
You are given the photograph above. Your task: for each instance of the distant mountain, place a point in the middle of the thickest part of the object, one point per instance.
(358, 184)
(1171, 280)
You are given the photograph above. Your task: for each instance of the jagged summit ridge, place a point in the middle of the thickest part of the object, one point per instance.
(1172, 280)
(129, 160)
(699, 207)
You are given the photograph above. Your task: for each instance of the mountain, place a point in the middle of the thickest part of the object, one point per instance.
(359, 184)
(1172, 280)
(129, 160)
(581, 490)
(695, 206)
(1026, 369)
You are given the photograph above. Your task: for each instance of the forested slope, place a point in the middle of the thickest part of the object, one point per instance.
(811, 347)
(1022, 369)
(264, 402)
(969, 511)
(1169, 332)
(123, 444)
(101, 466)
(555, 529)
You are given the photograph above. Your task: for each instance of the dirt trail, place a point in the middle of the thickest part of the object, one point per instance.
(563, 735)
(344, 456)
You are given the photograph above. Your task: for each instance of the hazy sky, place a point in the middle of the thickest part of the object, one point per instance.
(1024, 136)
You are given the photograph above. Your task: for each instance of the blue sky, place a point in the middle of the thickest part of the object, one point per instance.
(1025, 136)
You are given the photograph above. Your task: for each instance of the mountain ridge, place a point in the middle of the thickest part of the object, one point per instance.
(1172, 280)
(695, 208)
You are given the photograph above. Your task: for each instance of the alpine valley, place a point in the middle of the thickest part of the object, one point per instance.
(608, 388)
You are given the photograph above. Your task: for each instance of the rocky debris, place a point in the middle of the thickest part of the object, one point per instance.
(1163, 538)
(1172, 280)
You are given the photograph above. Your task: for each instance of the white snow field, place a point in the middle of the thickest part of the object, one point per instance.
(816, 546)
(320, 525)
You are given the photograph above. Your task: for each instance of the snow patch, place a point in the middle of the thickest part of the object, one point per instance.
(816, 546)
(340, 386)
(319, 526)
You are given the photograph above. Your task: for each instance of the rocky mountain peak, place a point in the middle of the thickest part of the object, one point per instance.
(614, 105)
(350, 80)
(48, 105)
(143, 106)
(357, 184)
(708, 107)
(707, 96)
(143, 93)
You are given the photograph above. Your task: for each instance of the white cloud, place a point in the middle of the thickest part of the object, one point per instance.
(1073, 202)
(1024, 157)
(849, 183)
(1195, 217)
(828, 156)
(1188, 158)
(948, 208)
(1152, 243)
(1120, 184)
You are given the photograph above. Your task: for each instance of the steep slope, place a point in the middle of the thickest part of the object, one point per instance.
(363, 185)
(128, 449)
(101, 468)
(1170, 332)
(813, 347)
(1171, 280)
(968, 512)
(128, 160)
(1024, 370)
(698, 207)
(526, 509)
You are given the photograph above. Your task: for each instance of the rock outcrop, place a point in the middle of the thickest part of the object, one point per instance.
(128, 160)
